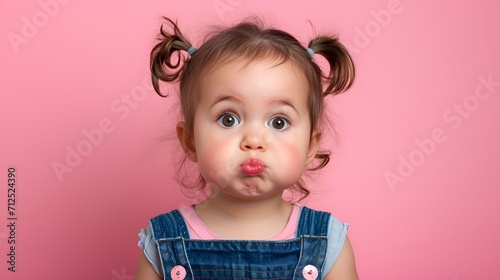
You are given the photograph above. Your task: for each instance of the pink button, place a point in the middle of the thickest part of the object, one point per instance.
(178, 272)
(310, 272)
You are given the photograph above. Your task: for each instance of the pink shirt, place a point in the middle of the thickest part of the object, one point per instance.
(198, 230)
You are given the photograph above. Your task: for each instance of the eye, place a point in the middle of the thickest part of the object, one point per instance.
(228, 120)
(279, 123)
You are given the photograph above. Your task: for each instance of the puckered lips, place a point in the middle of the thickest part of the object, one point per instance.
(252, 166)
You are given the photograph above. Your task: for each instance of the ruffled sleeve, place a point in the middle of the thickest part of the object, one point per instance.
(337, 232)
(148, 245)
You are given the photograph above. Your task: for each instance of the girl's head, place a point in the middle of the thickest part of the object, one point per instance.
(237, 50)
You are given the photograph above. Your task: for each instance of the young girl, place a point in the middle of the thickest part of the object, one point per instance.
(252, 105)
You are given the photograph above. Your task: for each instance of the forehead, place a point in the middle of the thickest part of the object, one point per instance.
(266, 77)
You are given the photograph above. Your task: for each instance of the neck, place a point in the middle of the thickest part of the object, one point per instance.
(244, 209)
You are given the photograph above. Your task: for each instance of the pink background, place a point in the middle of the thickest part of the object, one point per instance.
(420, 112)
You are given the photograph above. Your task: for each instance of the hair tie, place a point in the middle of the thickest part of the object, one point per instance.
(191, 50)
(310, 52)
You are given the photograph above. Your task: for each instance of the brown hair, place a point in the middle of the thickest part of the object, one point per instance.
(250, 40)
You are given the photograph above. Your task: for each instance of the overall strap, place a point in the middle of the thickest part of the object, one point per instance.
(169, 225)
(312, 222)
(312, 230)
(170, 232)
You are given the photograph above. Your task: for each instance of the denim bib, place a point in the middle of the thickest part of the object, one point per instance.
(299, 258)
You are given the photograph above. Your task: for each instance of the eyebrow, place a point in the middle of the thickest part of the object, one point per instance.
(224, 98)
(285, 102)
(232, 98)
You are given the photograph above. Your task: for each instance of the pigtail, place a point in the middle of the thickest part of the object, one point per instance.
(342, 72)
(166, 62)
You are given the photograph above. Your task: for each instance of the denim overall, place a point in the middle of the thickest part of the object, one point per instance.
(298, 258)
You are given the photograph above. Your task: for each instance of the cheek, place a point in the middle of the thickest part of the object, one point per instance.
(292, 158)
(215, 161)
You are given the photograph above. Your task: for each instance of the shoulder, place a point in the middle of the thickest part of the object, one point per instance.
(160, 226)
(148, 246)
(326, 224)
(336, 229)
(344, 266)
(339, 261)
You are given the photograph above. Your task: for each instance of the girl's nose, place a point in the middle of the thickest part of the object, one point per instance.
(254, 140)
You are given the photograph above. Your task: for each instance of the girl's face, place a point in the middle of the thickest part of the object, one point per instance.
(251, 134)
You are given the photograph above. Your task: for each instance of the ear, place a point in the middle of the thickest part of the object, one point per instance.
(313, 145)
(187, 141)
